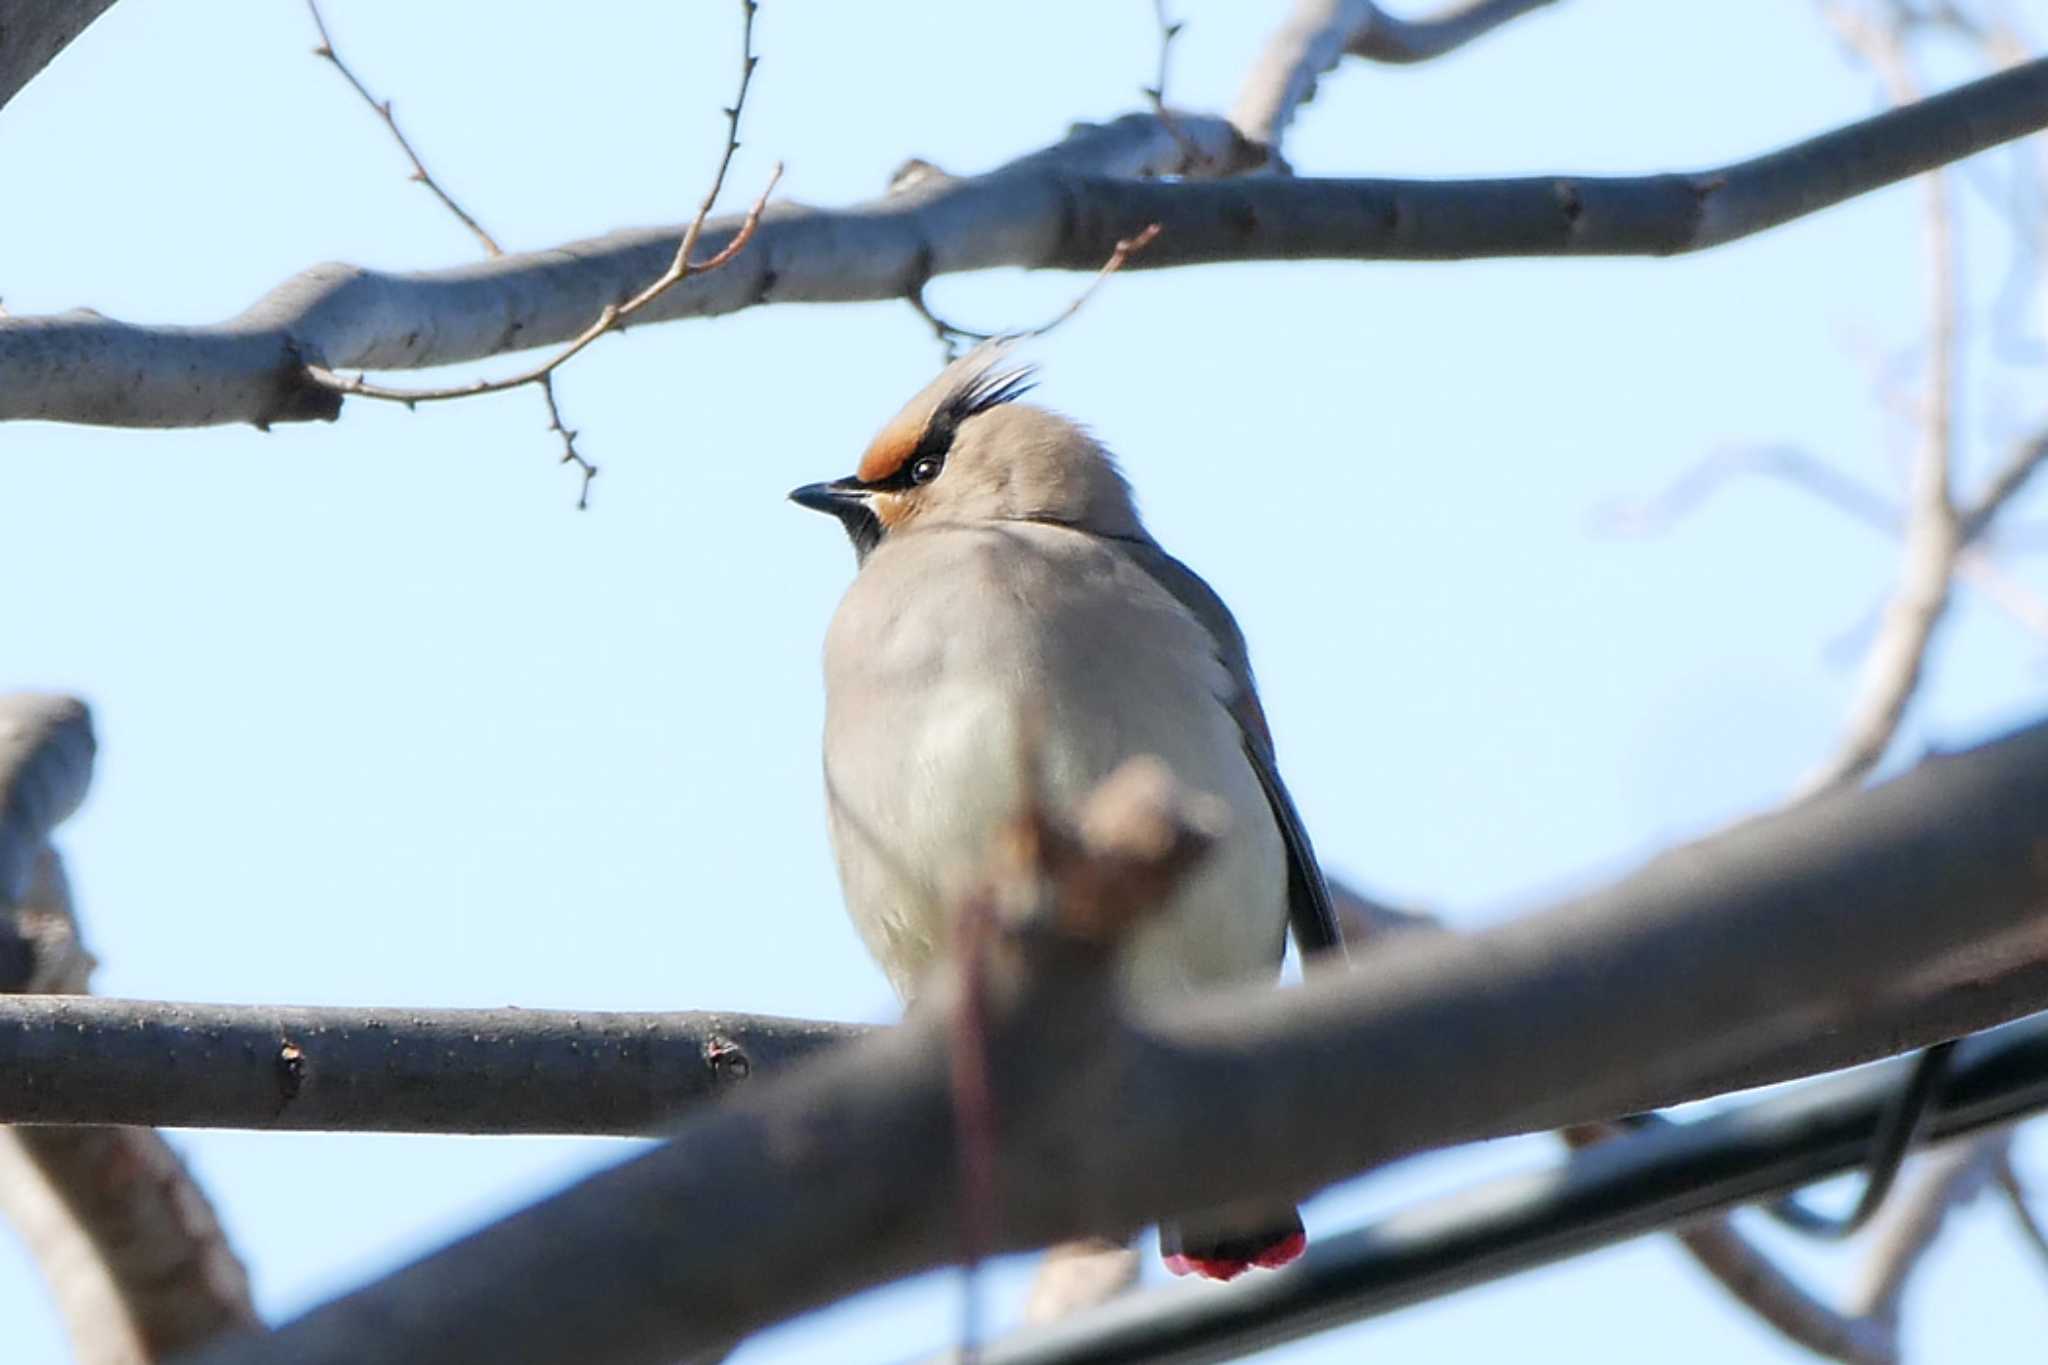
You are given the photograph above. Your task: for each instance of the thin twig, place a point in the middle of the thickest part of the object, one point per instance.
(950, 334)
(613, 315)
(1910, 1224)
(570, 455)
(383, 111)
(2020, 466)
(1062, 207)
(608, 320)
(1748, 1273)
(1745, 1271)
(1690, 491)
(1156, 92)
(1169, 29)
(2015, 1192)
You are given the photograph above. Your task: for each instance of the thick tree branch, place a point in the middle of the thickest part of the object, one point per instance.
(33, 32)
(1318, 34)
(1796, 937)
(1063, 208)
(80, 1059)
(1651, 1179)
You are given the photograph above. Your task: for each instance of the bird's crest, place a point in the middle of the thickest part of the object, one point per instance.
(974, 383)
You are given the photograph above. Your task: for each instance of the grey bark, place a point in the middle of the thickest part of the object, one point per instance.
(1063, 208)
(79, 1059)
(33, 32)
(1318, 34)
(1790, 944)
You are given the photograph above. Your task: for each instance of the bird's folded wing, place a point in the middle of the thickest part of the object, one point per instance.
(1310, 914)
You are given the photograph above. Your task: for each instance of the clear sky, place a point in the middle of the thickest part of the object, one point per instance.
(384, 720)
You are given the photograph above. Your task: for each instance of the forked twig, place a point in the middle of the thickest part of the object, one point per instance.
(612, 316)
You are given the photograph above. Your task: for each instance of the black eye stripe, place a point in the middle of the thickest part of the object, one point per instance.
(991, 389)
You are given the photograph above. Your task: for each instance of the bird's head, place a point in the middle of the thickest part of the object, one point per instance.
(964, 451)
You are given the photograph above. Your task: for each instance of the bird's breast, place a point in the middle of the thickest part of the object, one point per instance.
(960, 681)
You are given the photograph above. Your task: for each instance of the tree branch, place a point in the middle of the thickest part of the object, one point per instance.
(78, 1059)
(1062, 208)
(1318, 34)
(1650, 1179)
(46, 753)
(139, 1265)
(1906, 1228)
(1801, 938)
(1894, 664)
(1759, 1285)
(33, 32)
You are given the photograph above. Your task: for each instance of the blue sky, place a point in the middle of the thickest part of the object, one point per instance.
(385, 721)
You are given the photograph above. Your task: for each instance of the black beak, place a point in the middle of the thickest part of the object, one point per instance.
(847, 500)
(841, 497)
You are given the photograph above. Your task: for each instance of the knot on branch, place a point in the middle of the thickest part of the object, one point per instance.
(1092, 880)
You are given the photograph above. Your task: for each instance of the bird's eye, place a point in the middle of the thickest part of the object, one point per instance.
(926, 469)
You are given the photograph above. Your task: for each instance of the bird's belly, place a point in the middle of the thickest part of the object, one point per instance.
(954, 769)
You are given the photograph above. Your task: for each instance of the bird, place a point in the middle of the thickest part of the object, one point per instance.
(1004, 581)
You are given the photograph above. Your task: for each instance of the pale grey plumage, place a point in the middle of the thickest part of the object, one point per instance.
(1007, 581)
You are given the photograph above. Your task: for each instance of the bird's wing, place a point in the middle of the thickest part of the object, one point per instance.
(1309, 912)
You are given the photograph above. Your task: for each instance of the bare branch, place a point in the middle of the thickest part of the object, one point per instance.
(1780, 1300)
(1063, 208)
(1662, 1176)
(610, 318)
(90, 1060)
(1896, 661)
(1758, 1284)
(1905, 1230)
(1169, 29)
(2018, 470)
(1319, 33)
(1802, 936)
(33, 32)
(46, 754)
(2015, 1191)
(950, 334)
(382, 108)
(613, 315)
(1801, 470)
(570, 455)
(545, 382)
(139, 1264)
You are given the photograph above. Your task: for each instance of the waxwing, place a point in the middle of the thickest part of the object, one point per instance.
(1004, 575)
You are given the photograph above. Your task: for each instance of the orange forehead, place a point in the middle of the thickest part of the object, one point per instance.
(890, 448)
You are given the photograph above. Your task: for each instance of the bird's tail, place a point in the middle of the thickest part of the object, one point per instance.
(1222, 1249)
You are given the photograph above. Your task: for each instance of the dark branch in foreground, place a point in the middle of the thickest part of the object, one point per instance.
(1854, 927)
(82, 1059)
(1062, 208)
(34, 32)
(1594, 1198)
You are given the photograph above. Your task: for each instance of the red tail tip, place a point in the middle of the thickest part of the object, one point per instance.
(1212, 1268)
